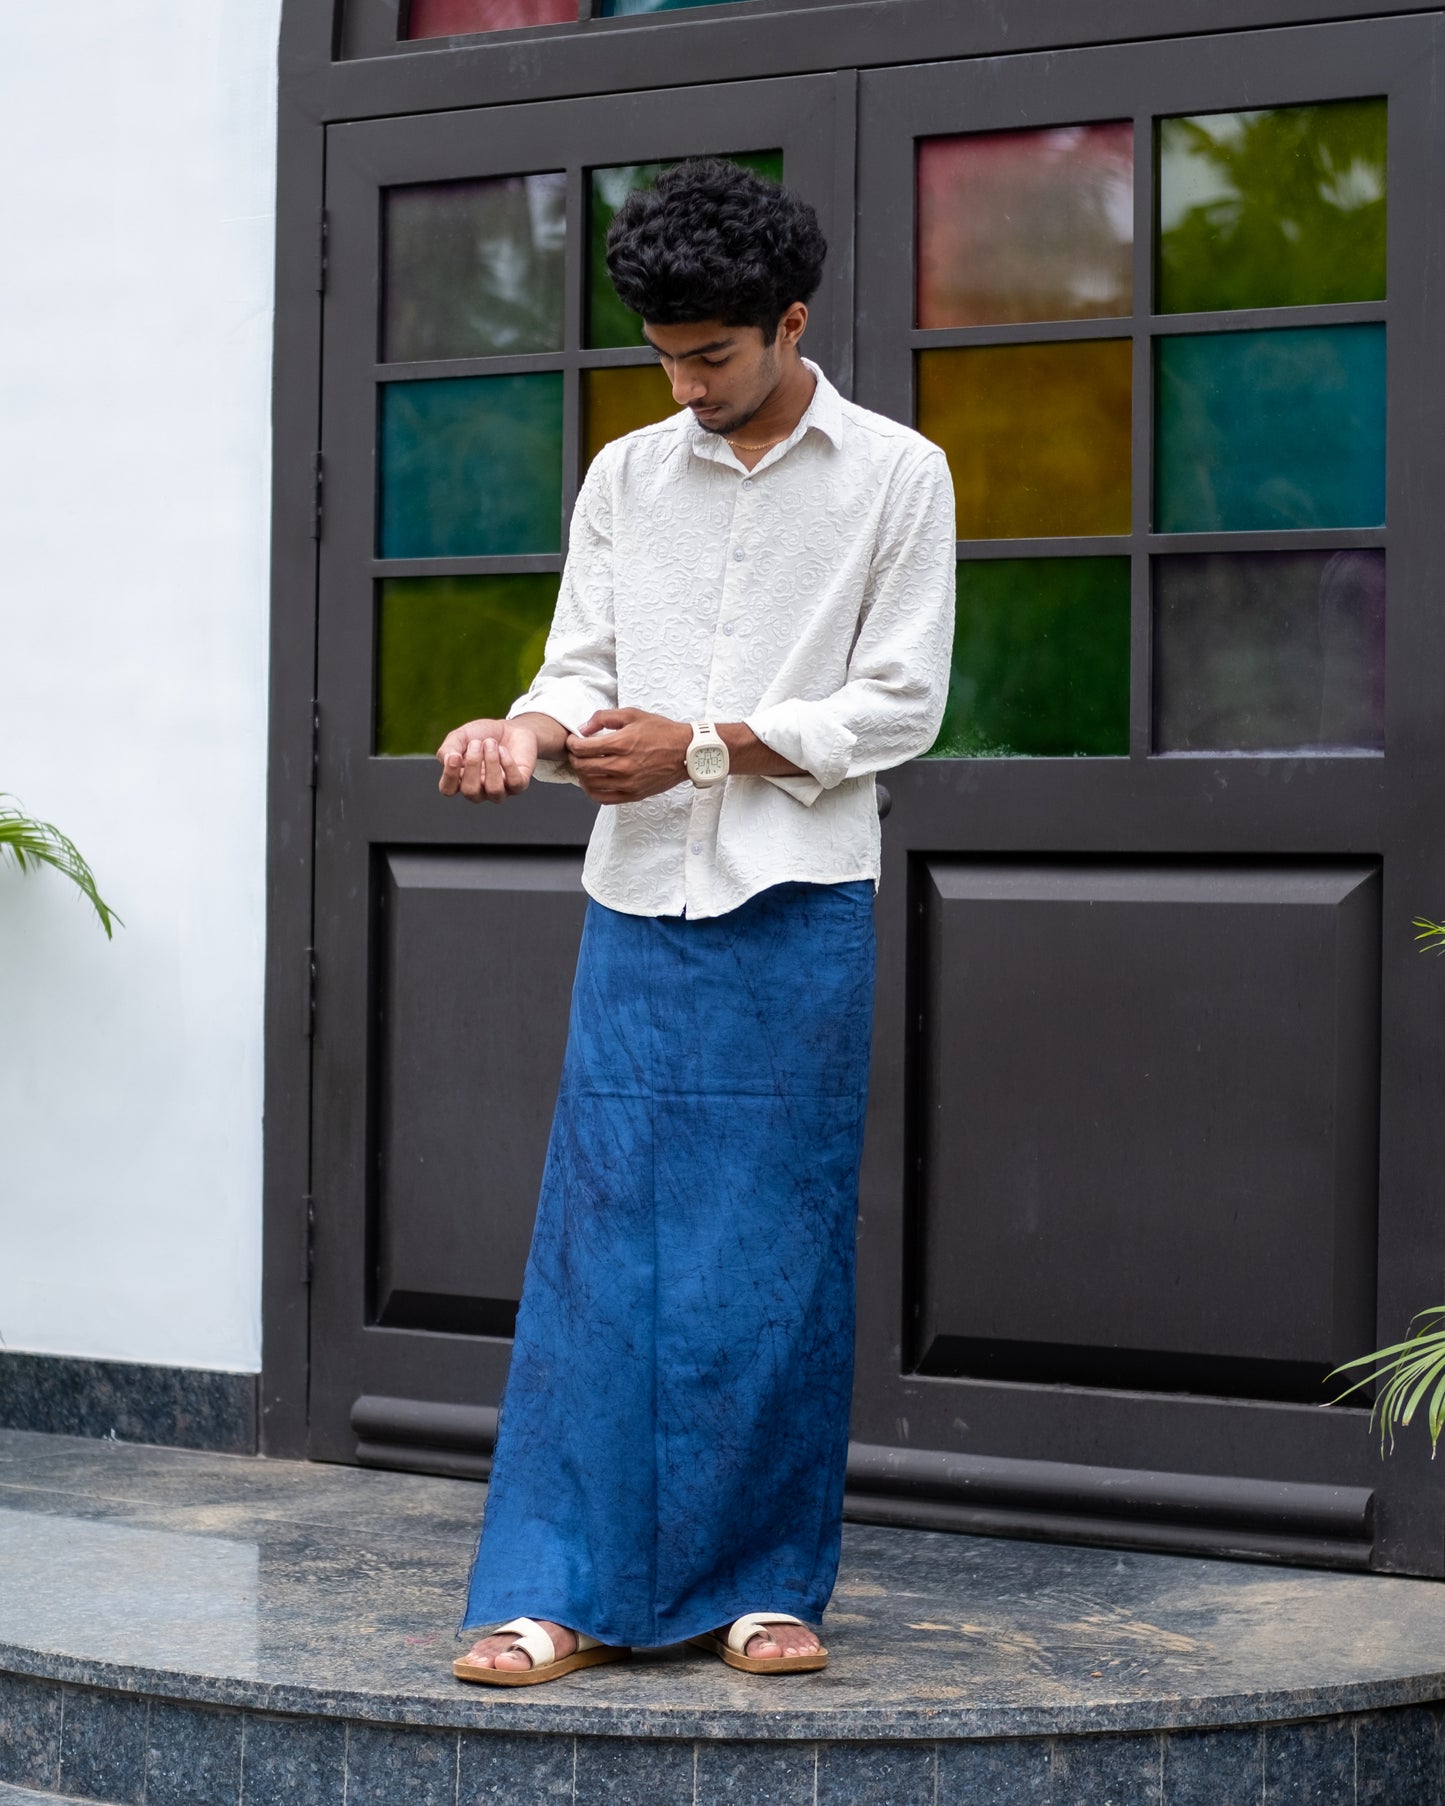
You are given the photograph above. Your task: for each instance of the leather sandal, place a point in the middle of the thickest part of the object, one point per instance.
(547, 1665)
(733, 1648)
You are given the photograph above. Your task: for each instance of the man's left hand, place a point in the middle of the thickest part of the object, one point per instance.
(623, 755)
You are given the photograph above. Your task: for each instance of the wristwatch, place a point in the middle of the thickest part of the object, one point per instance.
(707, 755)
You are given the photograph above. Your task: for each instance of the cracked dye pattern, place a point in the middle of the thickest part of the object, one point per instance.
(675, 1425)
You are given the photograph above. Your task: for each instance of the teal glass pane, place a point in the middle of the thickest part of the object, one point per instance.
(616, 9)
(1259, 430)
(1280, 208)
(471, 466)
(1270, 652)
(1040, 660)
(473, 269)
(608, 321)
(452, 648)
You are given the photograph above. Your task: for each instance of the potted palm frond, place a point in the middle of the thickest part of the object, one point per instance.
(1412, 1372)
(32, 843)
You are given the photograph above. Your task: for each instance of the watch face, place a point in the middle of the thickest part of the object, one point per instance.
(708, 761)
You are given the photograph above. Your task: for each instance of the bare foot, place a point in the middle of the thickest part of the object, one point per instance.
(776, 1641)
(500, 1650)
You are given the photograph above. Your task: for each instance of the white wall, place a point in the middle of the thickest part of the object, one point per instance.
(137, 152)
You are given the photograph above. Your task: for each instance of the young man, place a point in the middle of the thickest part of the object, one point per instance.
(755, 617)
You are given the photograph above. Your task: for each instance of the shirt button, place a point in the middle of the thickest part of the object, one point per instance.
(738, 554)
(727, 627)
(747, 482)
(697, 846)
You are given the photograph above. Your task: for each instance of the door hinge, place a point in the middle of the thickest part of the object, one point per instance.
(315, 741)
(317, 480)
(323, 234)
(307, 1262)
(308, 1019)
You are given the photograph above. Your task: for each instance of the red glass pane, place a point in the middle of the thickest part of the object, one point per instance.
(455, 18)
(1031, 225)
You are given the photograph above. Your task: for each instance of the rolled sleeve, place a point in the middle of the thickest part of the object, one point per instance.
(891, 706)
(578, 675)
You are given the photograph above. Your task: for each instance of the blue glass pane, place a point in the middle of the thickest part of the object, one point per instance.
(1260, 430)
(471, 466)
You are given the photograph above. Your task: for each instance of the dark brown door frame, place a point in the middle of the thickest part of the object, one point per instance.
(760, 39)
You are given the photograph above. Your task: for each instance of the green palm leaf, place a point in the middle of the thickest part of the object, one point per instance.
(33, 843)
(1408, 1370)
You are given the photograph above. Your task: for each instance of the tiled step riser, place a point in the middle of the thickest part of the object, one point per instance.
(127, 1750)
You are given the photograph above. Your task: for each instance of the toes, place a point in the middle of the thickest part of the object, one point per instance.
(513, 1659)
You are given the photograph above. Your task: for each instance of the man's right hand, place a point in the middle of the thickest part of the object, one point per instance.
(488, 761)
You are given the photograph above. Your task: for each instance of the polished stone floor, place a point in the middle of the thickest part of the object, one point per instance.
(292, 1587)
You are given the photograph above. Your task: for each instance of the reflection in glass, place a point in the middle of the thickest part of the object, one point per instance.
(471, 466)
(608, 321)
(455, 18)
(1284, 208)
(1040, 660)
(619, 401)
(474, 268)
(452, 648)
(1037, 436)
(1026, 225)
(1270, 652)
(1271, 429)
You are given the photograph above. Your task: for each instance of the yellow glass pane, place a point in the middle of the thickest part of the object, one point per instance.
(615, 402)
(1037, 436)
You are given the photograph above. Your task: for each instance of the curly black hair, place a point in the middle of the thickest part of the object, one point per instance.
(712, 241)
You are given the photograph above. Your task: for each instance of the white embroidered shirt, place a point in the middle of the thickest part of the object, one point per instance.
(811, 598)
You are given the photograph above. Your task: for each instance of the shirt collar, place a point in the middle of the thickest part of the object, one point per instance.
(824, 411)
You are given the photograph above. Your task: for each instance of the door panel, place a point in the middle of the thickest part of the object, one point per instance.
(477, 953)
(1143, 1160)
(474, 359)
(1147, 1091)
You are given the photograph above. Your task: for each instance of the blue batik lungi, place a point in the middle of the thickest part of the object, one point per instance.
(675, 1425)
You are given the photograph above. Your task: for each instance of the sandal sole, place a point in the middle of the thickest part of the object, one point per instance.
(532, 1677)
(746, 1664)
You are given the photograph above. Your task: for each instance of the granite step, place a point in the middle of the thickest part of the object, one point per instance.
(27, 1796)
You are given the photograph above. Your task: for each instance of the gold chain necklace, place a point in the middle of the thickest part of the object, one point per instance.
(768, 445)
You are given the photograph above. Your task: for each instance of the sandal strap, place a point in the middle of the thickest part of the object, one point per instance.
(532, 1640)
(744, 1629)
(536, 1643)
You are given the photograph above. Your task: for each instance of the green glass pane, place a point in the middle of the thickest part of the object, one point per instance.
(608, 321)
(1270, 652)
(1037, 436)
(615, 402)
(474, 268)
(1040, 660)
(1284, 208)
(471, 466)
(452, 648)
(1035, 225)
(1259, 430)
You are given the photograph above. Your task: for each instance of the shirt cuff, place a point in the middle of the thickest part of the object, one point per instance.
(568, 700)
(806, 734)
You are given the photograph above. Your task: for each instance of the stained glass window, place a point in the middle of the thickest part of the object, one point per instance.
(1279, 208)
(473, 269)
(1040, 660)
(452, 648)
(618, 401)
(471, 466)
(1037, 436)
(1270, 652)
(456, 18)
(608, 321)
(1271, 429)
(1035, 225)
